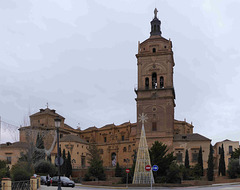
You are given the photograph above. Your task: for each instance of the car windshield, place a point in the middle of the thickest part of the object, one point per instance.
(65, 178)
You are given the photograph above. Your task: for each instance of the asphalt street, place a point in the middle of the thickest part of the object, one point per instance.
(212, 187)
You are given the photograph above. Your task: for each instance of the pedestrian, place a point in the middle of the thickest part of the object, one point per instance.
(48, 178)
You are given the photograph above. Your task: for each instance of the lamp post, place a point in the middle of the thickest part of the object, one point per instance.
(57, 125)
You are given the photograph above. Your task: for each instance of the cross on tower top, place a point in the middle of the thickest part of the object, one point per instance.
(155, 12)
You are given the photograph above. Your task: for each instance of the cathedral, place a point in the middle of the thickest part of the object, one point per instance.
(155, 97)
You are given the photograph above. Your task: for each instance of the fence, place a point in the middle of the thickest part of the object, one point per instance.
(32, 184)
(21, 185)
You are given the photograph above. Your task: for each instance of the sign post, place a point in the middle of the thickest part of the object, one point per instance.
(127, 171)
(154, 168)
(148, 168)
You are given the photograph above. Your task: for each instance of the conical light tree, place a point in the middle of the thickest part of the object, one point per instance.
(141, 176)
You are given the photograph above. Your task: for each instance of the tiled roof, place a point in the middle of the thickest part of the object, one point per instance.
(47, 111)
(190, 137)
(72, 138)
(14, 145)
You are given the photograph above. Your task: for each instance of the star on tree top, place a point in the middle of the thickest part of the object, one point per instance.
(143, 118)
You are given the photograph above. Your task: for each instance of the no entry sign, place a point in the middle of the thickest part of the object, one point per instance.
(147, 167)
(127, 170)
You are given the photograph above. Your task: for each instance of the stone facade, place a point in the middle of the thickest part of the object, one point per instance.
(228, 146)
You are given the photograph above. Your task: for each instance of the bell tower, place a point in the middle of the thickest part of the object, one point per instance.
(155, 92)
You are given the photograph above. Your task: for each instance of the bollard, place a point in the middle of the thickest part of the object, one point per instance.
(33, 183)
(38, 181)
(6, 184)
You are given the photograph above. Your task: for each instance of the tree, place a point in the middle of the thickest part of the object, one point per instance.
(39, 152)
(233, 168)
(173, 174)
(44, 168)
(222, 168)
(4, 170)
(160, 157)
(64, 166)
(21, 171)
(210, 170)
(69, 165)
(236, 153)
(187, 159)
(118, 171)
(200, 160)
(95, 169)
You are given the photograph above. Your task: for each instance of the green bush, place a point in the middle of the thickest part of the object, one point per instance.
(45, 167)
(173, 174)
(21, 171)
(233, 168)
(4, 170)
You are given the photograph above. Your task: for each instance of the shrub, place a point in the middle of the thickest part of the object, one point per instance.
(233, 168)
(173, 174)
(21, 171)
(45, 167)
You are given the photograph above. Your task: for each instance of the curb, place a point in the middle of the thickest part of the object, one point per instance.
(105, 187)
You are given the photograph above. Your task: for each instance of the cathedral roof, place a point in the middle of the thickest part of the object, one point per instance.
(72, 138)
(190, 137)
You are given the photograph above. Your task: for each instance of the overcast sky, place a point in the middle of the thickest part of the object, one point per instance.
(79, 56)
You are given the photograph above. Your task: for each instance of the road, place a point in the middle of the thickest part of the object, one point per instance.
(213, 187)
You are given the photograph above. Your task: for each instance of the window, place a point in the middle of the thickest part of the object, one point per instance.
(105, 139)
(161, 82)
(154, 50)
(154, 80)
(123, 138)
(83, 161)
(61, 135)
(230, 149)
(194, 157)
(124, 149)
(219, 150)
(129, 148)
(9, 160)
(179, 157)
(147, 83)
(154, 126)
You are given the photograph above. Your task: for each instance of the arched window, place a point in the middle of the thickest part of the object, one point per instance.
(147, 83)
(154, 80)
(161, 82)
(125, 149)
(154, 50)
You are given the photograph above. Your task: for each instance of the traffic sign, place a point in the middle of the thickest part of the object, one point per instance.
(147, 167)
(155, 168)
(127, 170)
(61, 161)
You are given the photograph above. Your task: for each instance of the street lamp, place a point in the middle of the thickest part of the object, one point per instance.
(57, 125)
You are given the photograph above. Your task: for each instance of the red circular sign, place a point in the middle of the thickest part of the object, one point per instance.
(147, 167)
(127, 170)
